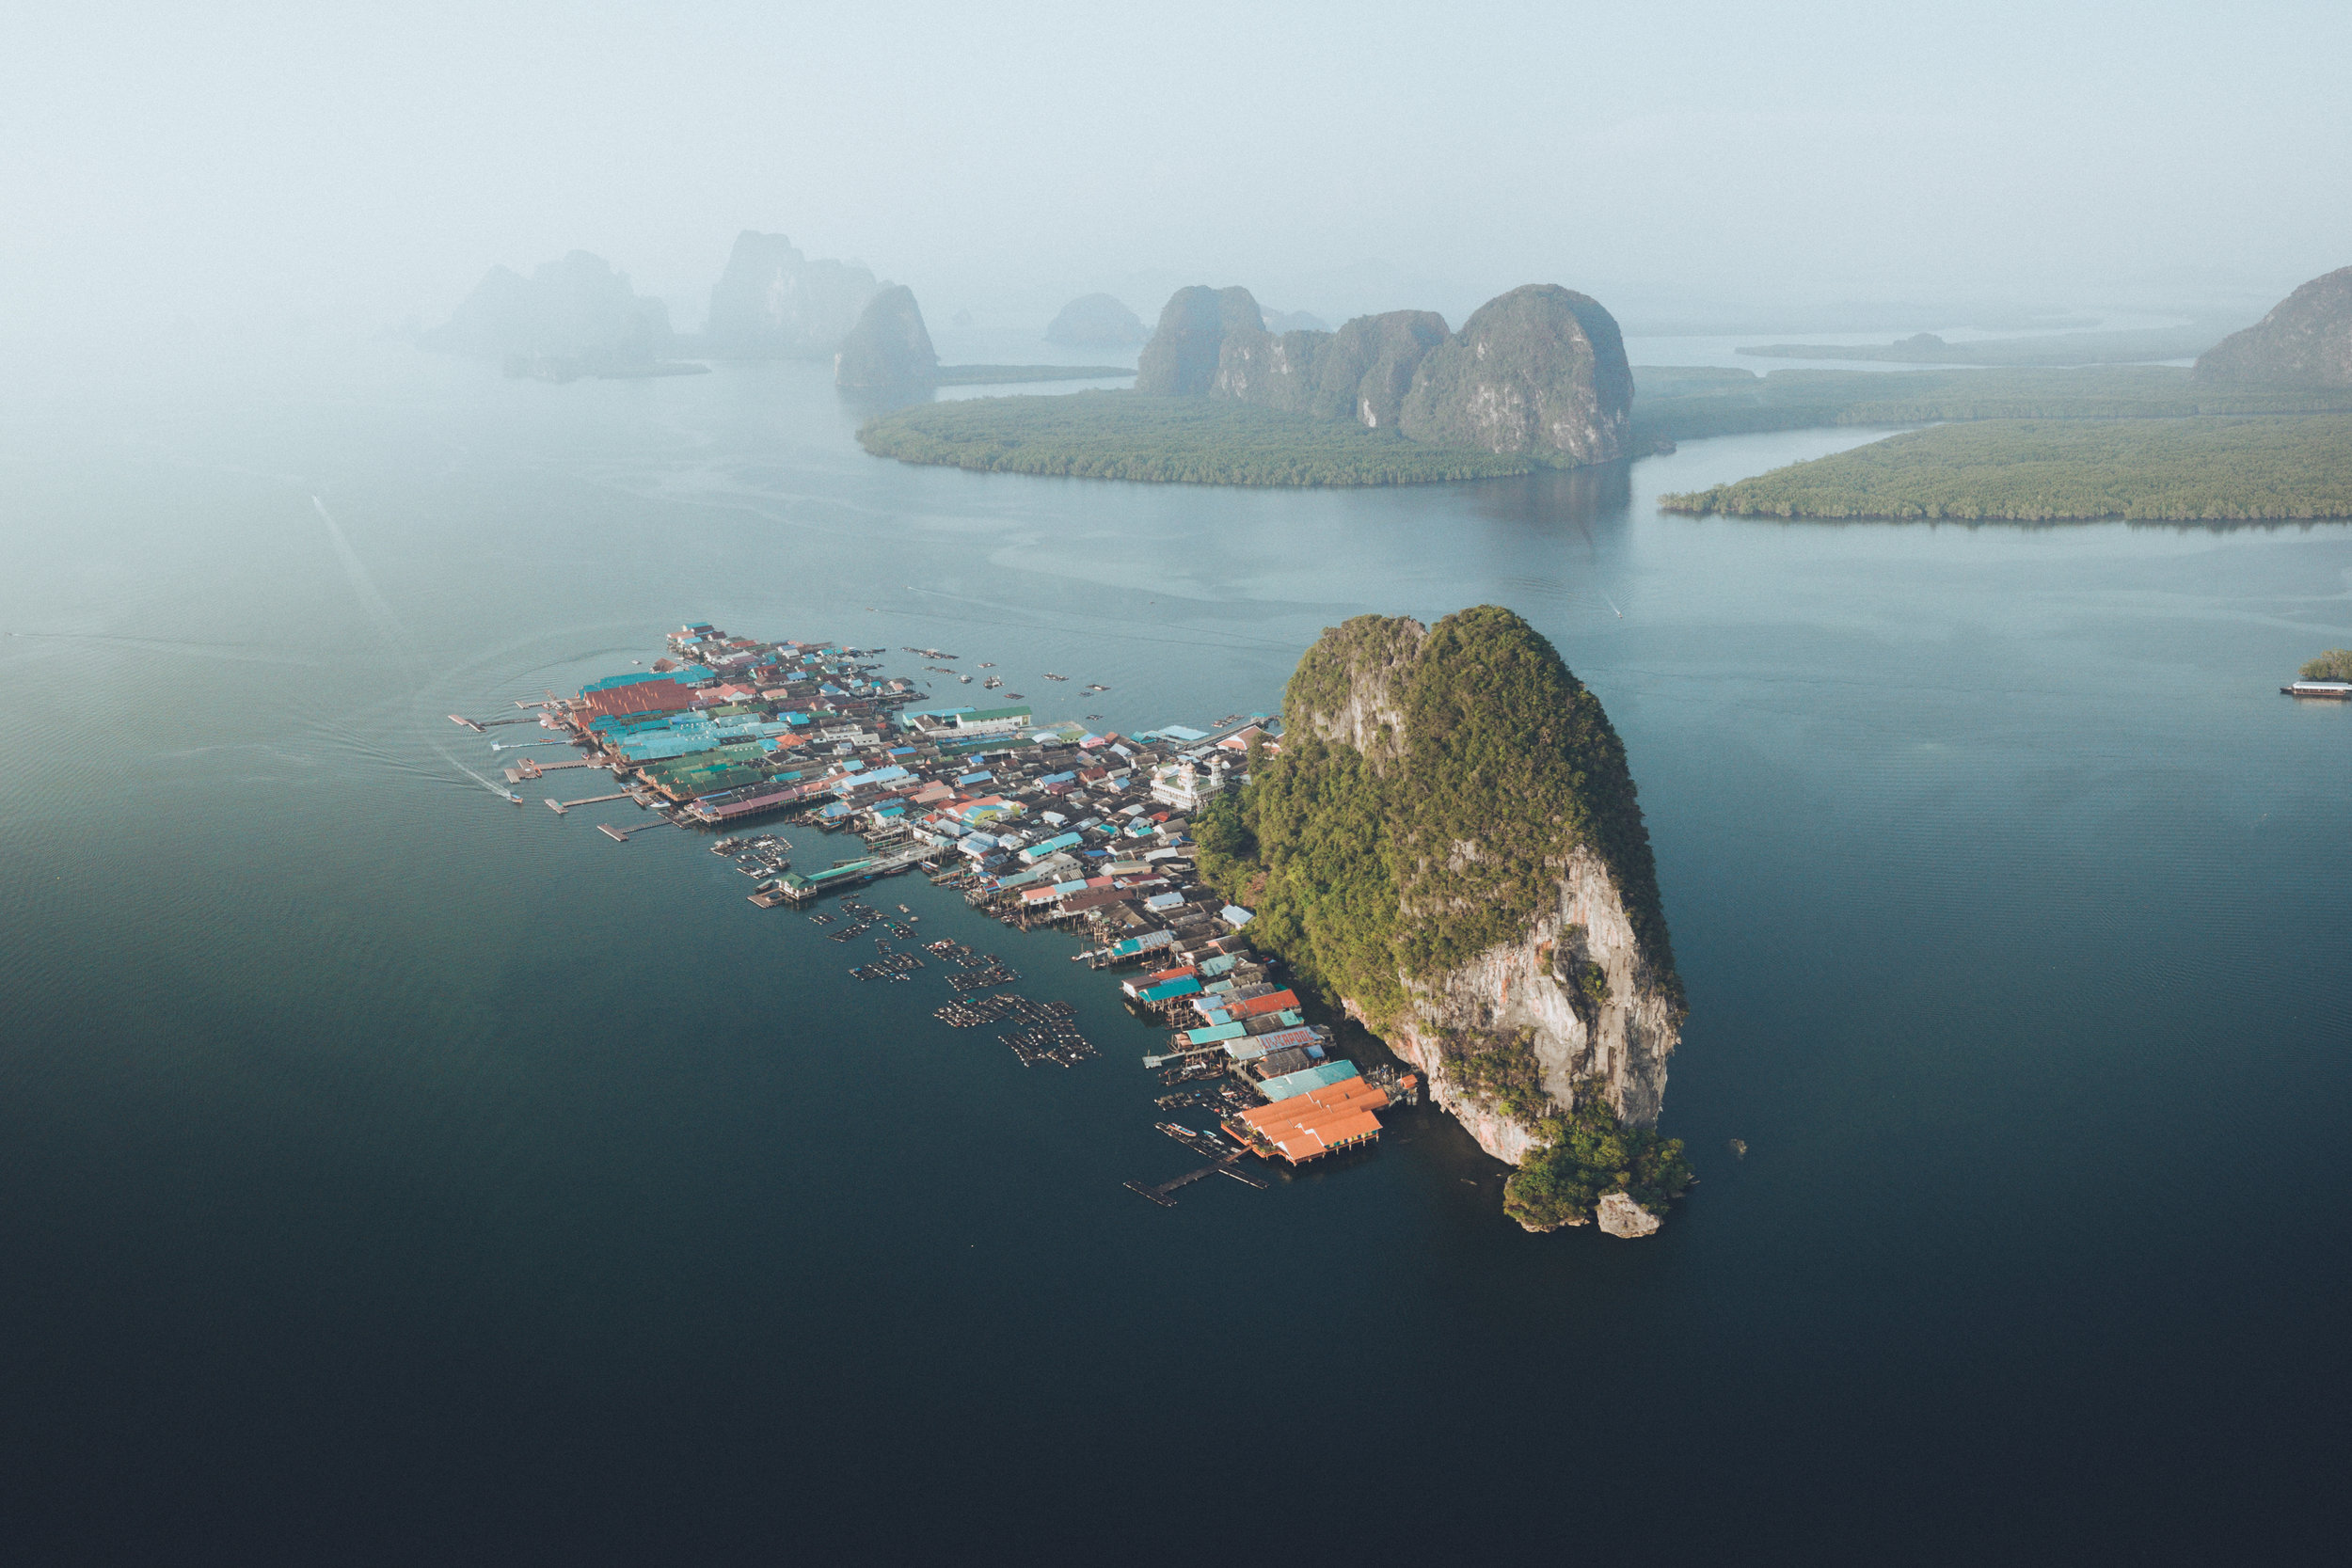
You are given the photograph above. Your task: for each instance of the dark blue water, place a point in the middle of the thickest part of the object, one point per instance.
(392, 1174)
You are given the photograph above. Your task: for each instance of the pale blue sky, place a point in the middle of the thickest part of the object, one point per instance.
(365, 162)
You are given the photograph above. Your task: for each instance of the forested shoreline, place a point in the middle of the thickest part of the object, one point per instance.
(2251, 469)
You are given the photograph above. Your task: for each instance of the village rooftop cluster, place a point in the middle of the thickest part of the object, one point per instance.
(1038, 824)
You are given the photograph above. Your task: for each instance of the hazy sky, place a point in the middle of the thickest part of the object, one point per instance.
(359, 162)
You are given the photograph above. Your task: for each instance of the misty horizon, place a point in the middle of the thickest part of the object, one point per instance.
(1735, 169)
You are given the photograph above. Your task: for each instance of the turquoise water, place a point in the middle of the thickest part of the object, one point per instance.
(390, 1173)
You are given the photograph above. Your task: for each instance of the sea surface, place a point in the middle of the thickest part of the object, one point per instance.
(393, 1174)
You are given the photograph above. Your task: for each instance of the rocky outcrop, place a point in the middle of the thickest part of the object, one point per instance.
(1534, 991)
(2306, 341)
(1530, 994)
(1448, 843)
(578, 307)
(1541, 369)
(1188, 348)
(1621, 1217)
(1214, 342)
(774, 303)
(1368, 366)
(889, 349)
(1095, 321)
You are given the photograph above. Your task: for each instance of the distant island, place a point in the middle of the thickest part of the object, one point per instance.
(1447, 846)
(1536, 378)
(1676, 404)
(570, 318)
(889, 352)
(2058, 349)
(2255, 433)
(1178, 440)
(774, 303)
(2043, 470)
(1095, 321)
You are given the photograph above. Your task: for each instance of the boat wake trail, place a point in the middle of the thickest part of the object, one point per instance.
(395, 634)
(378, 610)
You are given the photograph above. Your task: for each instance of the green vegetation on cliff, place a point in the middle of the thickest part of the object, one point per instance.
(1587, 1153)
(1484, 766)
(2172, 471)
(1195, 440)
(1354, 860)
(2333, 665)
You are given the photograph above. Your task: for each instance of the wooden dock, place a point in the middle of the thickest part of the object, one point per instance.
(560, 807)
(524, 767)
(1224, 1166)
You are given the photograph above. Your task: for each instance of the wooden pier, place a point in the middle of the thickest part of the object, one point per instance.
(1201, 1143)
(560, 807)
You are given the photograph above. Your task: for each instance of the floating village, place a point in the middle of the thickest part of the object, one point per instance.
(1037, 825)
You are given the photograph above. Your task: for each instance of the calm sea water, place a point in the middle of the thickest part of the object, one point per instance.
(388, 1173)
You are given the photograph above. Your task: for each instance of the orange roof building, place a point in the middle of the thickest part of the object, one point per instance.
(1309, 1126)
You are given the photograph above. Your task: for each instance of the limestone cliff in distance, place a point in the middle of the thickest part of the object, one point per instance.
(889, 349)
(1095, 321)
(577, 306)
(1540, 372)
(2306, 341)
(1448, 846)
(1189, 352)
(1541, 369)
(774, 303)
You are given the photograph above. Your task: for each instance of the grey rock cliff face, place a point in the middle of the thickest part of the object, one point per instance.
(2305, 341)
(1526, 987)
(889, 348)
(1189, 349)
(1541, 369)
(774, 303)
(1215, 343)
(1625, 1041)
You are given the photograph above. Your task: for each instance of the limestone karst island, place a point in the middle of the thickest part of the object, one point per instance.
(1433, 861)
(1537, 377)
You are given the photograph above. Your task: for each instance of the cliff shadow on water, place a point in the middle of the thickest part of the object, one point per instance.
(1597, 494)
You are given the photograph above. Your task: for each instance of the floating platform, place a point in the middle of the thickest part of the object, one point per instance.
(615, 833)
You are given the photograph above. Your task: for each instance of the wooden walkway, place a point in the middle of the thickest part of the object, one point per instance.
(560, 807)
(1224, 1165)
